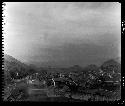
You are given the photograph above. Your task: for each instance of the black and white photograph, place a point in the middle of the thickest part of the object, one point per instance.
(62, 51)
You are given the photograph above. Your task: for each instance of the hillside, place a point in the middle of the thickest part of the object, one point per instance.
(111, 65)
(10, 61)
(14, 68)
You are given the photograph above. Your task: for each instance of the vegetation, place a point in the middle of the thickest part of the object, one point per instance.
(89, 82)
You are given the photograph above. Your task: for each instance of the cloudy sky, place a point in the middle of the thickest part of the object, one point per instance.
(63, 33)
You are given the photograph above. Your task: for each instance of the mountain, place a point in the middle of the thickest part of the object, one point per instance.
(91, 69)
(13, 67)
(10, 62)
(112, 65)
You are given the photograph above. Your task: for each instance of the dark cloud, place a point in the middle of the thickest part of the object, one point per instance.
(81, 54)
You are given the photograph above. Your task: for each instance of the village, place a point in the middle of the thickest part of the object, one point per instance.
(76, 85)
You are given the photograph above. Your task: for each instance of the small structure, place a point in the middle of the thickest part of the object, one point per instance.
(53, 82)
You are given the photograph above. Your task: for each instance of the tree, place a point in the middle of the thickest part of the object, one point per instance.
(7, 77)
(13, 74)
(111, 66)
(42, 75)
(31, 71)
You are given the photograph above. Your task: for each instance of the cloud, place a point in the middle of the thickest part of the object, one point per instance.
(70, 53)
(32, 27)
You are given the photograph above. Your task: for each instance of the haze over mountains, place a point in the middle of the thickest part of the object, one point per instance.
(70, 54)
(10, 63)
(63, 34)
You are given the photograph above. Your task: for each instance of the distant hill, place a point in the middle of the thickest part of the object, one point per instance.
(75, 68)
(112, 64)
(118, 59)
(10, 62)
(13, 66)
(92, 68)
